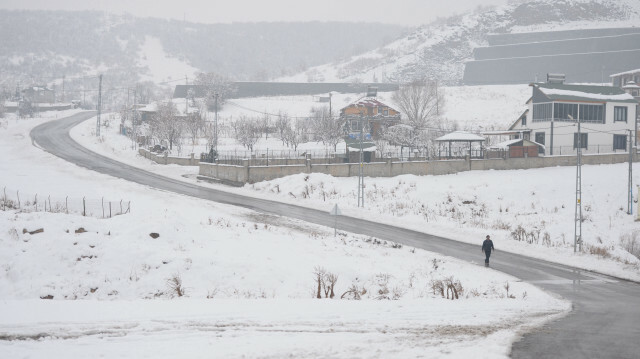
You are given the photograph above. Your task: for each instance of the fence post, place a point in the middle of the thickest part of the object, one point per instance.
(120, 206)
(18, 194)
(84, 207)
(109, 209)
(66, 204)
(50, 209)
(35, 201)
(4, 201)
(102, 205)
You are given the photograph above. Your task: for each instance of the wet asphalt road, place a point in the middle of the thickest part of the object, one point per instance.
(605, 321)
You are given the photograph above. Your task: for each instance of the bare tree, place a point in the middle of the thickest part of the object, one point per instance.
(247, 132)
(295, 135)
(283, 123)
(420, 102)
(166, 125)
(218, 88)
(326, 128)
(194, 125)
(264, 124)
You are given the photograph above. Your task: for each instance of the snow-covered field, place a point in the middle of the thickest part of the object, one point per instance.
(529, 212)
(223, 281)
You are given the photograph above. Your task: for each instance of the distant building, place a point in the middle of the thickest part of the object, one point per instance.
(370, 113)
(606, 115)
(622, 78)
(184, 91)
(39, 94)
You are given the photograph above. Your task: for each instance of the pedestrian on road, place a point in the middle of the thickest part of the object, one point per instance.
(487, 247)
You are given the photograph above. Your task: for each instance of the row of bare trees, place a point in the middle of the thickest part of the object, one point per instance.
(420, 102)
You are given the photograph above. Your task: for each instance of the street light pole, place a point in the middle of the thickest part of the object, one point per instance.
(215, 128)
(630, 191)
(577, 238)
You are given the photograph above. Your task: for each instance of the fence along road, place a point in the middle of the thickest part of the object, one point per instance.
(605, 319)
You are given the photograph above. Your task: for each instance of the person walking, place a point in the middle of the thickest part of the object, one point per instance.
(487, 247)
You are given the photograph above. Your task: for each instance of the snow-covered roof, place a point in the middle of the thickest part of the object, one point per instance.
(460, 136)
(563, 92)
(368, 102)
(366, 147)
(178, 102)
(505, 145)
(625, 73)
(630, 86)
(504, 133)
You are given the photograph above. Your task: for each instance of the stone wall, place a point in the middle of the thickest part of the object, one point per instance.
(168, 160)
(252, 174)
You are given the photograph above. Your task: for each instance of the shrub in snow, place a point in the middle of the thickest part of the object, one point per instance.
(174, 283)
(326, 282)
(354, 292)
(631, 243)
(448, 287)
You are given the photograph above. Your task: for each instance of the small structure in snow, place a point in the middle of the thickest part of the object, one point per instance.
(460, 144)
(517, 148)
(353, 146)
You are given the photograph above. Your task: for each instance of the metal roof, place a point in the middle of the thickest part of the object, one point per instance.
(460, 136)
(585, 93)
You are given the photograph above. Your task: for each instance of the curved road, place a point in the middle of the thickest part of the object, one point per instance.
(605, 321)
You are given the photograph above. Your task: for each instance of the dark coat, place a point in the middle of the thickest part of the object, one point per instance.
(487, 245)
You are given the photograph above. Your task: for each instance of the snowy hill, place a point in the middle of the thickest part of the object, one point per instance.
(43, 45)
(440, 50)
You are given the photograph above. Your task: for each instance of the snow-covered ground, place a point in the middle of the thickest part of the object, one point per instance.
(247, 280)
(529, 212)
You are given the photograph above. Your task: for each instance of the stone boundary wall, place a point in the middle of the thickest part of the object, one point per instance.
(251, 174)
(168, 160)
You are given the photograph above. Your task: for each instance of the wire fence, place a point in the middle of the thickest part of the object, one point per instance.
(98, 208)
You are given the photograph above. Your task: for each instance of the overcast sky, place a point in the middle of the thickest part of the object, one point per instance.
(402, 12)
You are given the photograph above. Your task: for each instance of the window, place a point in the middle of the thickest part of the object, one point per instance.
(620, 142)
(583, 140)
(620, 114)
(561, 111)
(542, 112)
(385, 112)
(592, 113)
(523, 120)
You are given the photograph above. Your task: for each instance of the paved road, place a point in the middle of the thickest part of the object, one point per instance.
(605, 322)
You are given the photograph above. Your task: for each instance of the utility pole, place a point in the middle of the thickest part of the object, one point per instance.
(577, 241)
(215, 127)
(99, 106)
(630, 192)
(186, 96)
(361, 167)
(134, 123)
(437, 100)
(551, 138)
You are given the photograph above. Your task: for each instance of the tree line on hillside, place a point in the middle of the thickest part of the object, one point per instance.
(42, 46)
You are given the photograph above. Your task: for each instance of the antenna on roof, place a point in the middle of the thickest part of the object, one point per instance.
(555, 78)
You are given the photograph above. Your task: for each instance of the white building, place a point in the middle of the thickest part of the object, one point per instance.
(606, 115)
